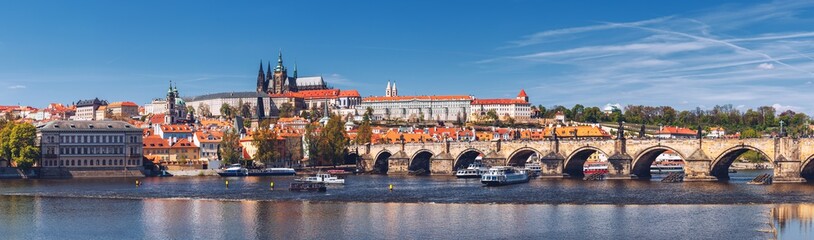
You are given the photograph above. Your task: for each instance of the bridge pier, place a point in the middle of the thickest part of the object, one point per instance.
(442, 164)
(697, 168)
(619, 167)
(787, 171)
(399, 163)
(367, 162)
(552, 165)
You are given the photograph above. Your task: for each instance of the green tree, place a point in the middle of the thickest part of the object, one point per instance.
(749, 133)
(5, 140)
(492, 116)
(24, 152)
(286, 110)
(226, 110)
(230, 150)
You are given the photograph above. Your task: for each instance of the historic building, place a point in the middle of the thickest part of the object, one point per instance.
(86, 109)
(518, 108)
(176, 108)
(123, 109)
(213, 102)
(90, 145)
(415, 108)
(279, 82)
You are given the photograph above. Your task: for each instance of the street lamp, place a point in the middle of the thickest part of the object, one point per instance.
(658, 134)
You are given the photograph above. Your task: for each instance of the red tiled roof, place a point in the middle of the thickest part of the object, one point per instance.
(349, 93)
(502, 101)
(157, 118)
(425, 98)
(522, 93)
(177, 128)
(183, 143)
(154, 141)
(676, 131)
(122, 104)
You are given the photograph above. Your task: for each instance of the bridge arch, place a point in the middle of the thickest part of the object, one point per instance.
(807, 168)
(466, 157)
(642, 162)
(720, 165)
(420, 161)
(575, 161)
(519, 156)
(381, 162)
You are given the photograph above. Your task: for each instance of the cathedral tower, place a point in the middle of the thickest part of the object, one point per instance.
(261, 80)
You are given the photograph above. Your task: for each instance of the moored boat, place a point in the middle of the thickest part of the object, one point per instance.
(474, 170)
(234, 170)
(667, 167)
(272, 172)
(595, 167)
(504, 175)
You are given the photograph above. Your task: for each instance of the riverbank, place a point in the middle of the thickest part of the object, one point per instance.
(751, 166)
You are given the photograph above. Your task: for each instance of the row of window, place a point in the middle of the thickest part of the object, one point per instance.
(96, 150)
(90, 139)
(89, 162)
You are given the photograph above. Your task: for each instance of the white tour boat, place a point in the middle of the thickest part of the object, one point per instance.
(474, 170)
(533, 166)
(504, 175)
(323, 178)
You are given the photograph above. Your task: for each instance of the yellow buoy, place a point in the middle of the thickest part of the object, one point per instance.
(227, 183)
(271, 184)
(391, 187)
(137, 183)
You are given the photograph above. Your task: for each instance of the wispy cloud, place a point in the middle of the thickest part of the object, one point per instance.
(341, 80)
(701, 58)
(16, 87)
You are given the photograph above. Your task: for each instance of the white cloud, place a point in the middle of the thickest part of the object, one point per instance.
(16, 87)
(766, 66)
(339, 79)
(782, 108)
(703, 56)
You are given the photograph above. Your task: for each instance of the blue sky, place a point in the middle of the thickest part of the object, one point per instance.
(678, 53)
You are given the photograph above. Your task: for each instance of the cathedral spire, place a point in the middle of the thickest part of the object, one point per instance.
(279, 67)
(261, 79)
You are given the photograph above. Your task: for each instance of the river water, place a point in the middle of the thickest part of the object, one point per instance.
(418, 208)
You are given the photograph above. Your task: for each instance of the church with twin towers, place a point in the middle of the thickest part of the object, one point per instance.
(277, 81)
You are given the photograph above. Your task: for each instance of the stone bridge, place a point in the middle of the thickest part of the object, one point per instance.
(705, 159)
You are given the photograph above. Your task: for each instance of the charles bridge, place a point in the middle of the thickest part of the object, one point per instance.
(705, 159)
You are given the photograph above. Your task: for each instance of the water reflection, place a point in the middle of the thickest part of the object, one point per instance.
(81, 218)
(793, 221)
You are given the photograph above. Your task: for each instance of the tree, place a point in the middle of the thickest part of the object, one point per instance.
(492, 116)
(286, 110)
(230, 150)
(265, 140)
(226, 110)
(365, 132)
(246, 110)
(312, 141)
(22, 146)
(191, 110)
(5, 140)
(203, 110)
(333, 141)
(750, 133)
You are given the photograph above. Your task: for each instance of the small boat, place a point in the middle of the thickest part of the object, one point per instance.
(474, 170)
(596, 167)
(504, 175)
(272, 172)
(323, 178)
(533, 166)
(234, 170)
(299, 186)
(667, 167)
